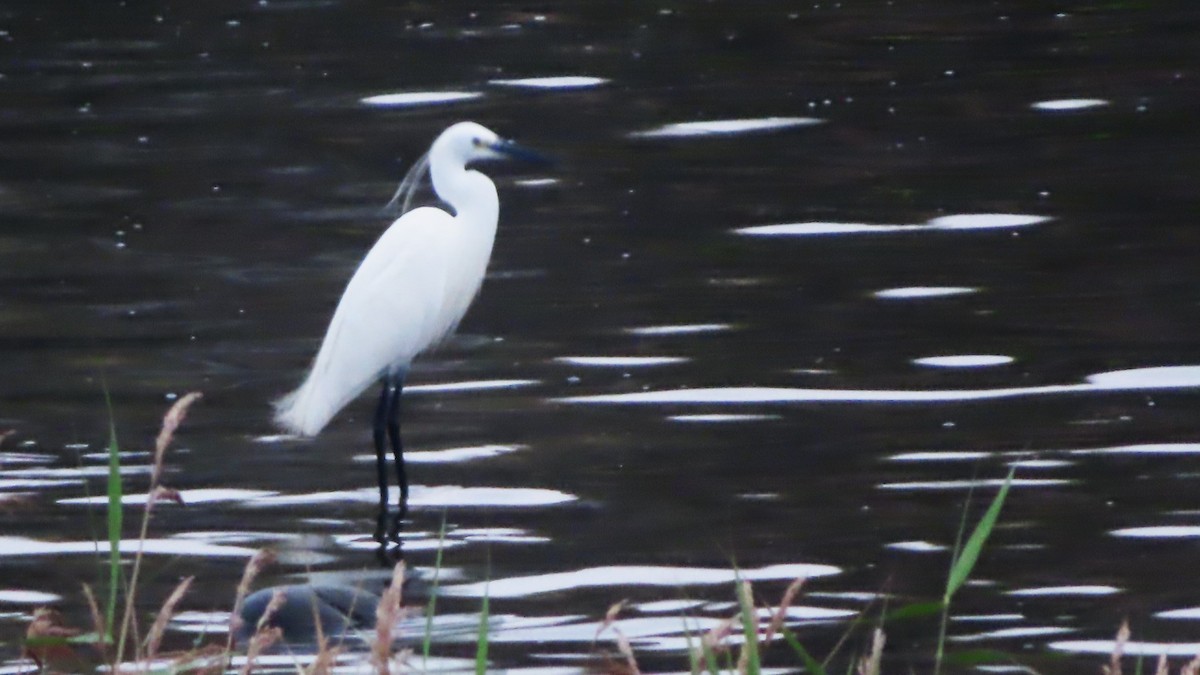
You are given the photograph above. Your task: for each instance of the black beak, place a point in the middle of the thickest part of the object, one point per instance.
(514, 151)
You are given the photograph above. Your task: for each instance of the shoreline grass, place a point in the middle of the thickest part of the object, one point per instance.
(741, 643)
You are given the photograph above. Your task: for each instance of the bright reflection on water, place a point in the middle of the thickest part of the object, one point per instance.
(556, 82)
(1066, 104)
(964, 361)
(417, 98)
(723, 127)
(910, 292)
(638, 576)
(968, 221)
(1167, 377)
(1053, 591)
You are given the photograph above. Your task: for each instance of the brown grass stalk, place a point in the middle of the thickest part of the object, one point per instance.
(278, 599)
(254, 567)
(171, 421)
(258, 644)
(166, 434)
(609, 617)
(1191, 667)
(713, 640)
(870, 664)
(326, 658)
(780, 615)
(97, 617)
(264, 636)
(626, 651)
(207, 660)
(48, 626)
(154, 640)
(386, 615)
(1114, 660)
(747, 592)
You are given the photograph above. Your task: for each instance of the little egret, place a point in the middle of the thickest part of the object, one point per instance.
(409, 293)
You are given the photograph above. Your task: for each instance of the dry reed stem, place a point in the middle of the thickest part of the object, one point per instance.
(1161, 669)
(48, 625)
(386, 615)
(1191, 667)
(326, 658)
(259, 643)
(263, 636)
(162, 493)
(170, 423)
(97, 617)
(278, 599)
(870, 664)
(208, 660)
(154, 640)
(777, 619)
(626, 650)
(1114, 661)
(254, 567)
(609, 617)
(743, 664)
(715, 638)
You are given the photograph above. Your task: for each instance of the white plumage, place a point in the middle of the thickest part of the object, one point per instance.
(413, 287)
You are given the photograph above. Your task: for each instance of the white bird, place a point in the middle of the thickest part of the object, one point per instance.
(409, 293)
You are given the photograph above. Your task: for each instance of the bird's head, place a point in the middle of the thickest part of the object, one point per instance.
(468, 142)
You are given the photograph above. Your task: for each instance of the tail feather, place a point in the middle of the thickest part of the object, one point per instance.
(304, 412)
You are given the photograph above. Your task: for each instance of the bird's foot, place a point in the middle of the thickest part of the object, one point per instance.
(389, 522)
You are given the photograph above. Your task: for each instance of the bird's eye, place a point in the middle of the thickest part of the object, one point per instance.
(477, 142)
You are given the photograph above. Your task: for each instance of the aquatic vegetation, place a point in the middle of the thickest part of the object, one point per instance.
(740, 643)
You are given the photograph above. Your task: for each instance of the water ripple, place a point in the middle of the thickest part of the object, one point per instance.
(450, 455)
(1065, 104)
(21, 546)
(20, 597)
(624, 575)
(1138, 379)
(724, 127)
(422, 496)
(678, 329)
(558, 82)
(911, 292)
(415, 98)
(1064, 591)
(620, 361)
(964, 361)
(1129, 648)
(964, 221)
(1159, 532)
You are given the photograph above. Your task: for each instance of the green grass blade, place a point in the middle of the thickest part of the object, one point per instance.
(427, 641)
(978, 657)
(749, 629)
(970, 553)
(481, 648)
(115, 516)
(710, 657)
(811, 665)
(964, 563)
(915, 610)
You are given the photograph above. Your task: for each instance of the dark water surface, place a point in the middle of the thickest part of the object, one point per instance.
(186, 187)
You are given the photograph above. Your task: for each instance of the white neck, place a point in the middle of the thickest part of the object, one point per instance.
(471, 194)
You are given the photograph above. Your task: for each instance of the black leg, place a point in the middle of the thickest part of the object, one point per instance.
(393, 430)
(381, 413)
